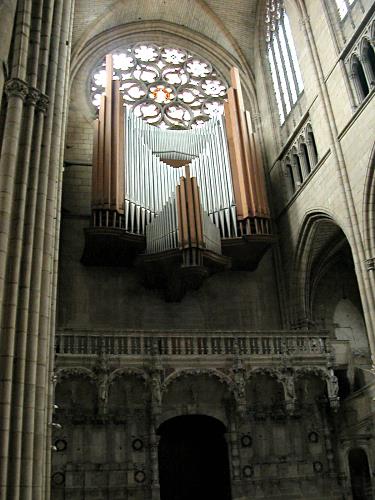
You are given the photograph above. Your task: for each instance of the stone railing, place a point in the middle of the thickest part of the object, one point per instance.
(193, 343)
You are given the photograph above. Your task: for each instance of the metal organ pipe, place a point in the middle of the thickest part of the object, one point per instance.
(150, 183)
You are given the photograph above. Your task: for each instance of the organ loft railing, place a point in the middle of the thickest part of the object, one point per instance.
(176, 202)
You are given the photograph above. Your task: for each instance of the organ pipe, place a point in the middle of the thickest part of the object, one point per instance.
(246, 164)
(108, 157)
(145, 173)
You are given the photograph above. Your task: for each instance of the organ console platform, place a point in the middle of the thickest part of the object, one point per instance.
(177, 204)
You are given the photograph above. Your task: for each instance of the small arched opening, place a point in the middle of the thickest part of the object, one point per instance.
(360, 475)
(360, 79)
(292, 182)
(297, 163)
(193, 459)
(305, 155)
(368, 56)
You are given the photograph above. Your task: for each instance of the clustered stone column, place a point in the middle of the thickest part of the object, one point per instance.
(35, 103)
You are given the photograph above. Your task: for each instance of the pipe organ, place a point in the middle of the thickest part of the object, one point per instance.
(184, 201)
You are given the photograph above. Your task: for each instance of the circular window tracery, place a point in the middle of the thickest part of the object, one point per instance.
(167, 86)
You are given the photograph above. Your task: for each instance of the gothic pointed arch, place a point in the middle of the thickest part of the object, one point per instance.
(317, 230)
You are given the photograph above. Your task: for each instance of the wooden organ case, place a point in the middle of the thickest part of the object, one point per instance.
(177, 204)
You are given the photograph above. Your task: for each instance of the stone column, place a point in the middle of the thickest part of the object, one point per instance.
(311, 151)
(7, 16)
(304, 165)
(154, 459)
(16, 91)
(234, 453)
(367, 68)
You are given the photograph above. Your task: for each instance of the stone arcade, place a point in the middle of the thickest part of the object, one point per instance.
(187, 249)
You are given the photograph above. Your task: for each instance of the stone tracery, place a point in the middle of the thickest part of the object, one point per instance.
(166, 86)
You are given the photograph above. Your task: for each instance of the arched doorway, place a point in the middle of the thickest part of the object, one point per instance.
(193, 459)
(360, 475)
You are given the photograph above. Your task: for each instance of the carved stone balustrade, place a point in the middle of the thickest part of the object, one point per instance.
(260, 348)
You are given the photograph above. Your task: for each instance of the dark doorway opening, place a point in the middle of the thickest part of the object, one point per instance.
(360, 475)
(193, 459)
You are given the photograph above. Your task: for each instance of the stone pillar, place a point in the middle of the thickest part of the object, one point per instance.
(7, 15)
(304, 165)
(311, 151)
(328, 444)
(154, 459)
(16, 91)
(367, 68)
(234, 454)
(30, 175)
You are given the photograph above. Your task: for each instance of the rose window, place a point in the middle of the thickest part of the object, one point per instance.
(167, 87)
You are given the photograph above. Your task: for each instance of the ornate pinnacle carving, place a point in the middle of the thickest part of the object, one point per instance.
(16, 88)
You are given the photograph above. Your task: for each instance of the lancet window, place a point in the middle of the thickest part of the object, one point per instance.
(301, 159)
(286, 75)
(167, 86)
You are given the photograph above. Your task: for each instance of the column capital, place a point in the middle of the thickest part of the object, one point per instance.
(16, 88)
(43, 103)
(32, 96)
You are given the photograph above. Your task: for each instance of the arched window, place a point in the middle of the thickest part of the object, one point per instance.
(343, 7)
(311, 148)
(359, 77)
(305, 156)
(298, 168)
(368, 58)
(290, 175)
(286, 75)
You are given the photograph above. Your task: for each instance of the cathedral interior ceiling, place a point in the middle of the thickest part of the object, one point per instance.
(229, 24)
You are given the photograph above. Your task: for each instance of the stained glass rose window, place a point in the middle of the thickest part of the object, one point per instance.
(167, 86)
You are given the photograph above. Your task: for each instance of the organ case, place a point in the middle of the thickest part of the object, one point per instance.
(188, 201)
